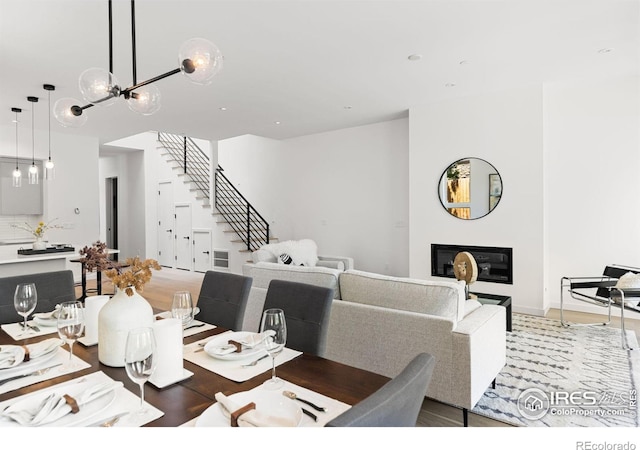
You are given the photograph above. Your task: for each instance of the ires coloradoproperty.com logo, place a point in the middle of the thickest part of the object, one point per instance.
(534, 403)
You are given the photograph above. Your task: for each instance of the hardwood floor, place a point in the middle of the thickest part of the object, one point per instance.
(159, 292)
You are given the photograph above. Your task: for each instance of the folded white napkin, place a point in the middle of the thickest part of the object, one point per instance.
(52, 315)
(252, 418)
(13, 355)
(55, 405)
(249, 341)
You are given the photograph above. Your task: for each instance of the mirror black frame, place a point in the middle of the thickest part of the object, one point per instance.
(494, 187)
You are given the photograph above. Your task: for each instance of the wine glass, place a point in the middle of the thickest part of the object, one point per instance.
(182, 307)
(25, 300)
(140, 360)
(274, 319)
(70, 326)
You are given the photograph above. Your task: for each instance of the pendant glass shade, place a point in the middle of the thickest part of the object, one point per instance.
(99, 86)
(200, 60)
(34, 174)
(49, 172)
(63, 114)
(16, 178)
(145, 100)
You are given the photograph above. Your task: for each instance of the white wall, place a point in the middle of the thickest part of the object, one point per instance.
(592, 185)
(347, 190)
(75, 184)
(505, 129)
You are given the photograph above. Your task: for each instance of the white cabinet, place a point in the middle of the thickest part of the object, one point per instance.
(27, 199)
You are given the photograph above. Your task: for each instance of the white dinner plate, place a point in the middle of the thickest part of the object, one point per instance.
(74, 390)
(270, 402)
(223, 339)
(46, 322)
(32, 364)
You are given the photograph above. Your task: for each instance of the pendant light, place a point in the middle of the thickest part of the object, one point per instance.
(198, 59)
(49, 173)
(16, 175)
(34, 174)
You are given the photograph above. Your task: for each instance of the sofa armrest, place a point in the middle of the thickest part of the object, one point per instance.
(346, 260)
(384, 340)
(479, 349)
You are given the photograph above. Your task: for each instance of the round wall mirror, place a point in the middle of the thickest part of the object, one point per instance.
(470, 188)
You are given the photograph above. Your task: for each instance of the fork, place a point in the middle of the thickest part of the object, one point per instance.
(253, 363)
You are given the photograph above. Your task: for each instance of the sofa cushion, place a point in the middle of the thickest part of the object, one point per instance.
(439, 298)
(263, 255)
(263, 272)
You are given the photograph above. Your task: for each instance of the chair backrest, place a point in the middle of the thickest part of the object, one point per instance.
(223, 299)
(397, 403)
(614, 271)
(52, 288)
(307, 309)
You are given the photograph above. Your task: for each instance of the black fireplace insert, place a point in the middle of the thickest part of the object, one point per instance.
(495, 264)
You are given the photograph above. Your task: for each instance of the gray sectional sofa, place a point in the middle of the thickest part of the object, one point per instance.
(379, 323)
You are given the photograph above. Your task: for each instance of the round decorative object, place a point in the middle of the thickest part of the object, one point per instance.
(119, 315)
(465, 267)
(39, 244)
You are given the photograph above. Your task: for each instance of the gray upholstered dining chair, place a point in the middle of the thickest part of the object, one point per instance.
(306, 309)
(397, 403)
(223, 299)
(52, 288)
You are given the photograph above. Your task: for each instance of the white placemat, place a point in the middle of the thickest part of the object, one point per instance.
(233, 370)
(124, 401)
(196, 326)
(334, 407)
(17, 333)
(61, 368)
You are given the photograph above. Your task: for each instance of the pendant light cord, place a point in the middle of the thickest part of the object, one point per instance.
(33, 139)
(49, 107)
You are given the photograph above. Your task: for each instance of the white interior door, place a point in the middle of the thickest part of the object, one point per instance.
(201, 250)
(166, 225)
(183, 237)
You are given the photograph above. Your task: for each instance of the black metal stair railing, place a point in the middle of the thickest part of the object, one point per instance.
(193, 161)
(241, 216)
(238, 213)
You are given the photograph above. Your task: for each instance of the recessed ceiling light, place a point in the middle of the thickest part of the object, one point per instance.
(450, 85)
(222, 108)
(414, 57)
(605, 50)
(277, 122)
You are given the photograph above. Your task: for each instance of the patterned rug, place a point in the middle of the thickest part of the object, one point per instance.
(565, 377)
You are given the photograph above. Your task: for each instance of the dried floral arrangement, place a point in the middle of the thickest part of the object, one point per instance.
(136, 275)
(96, 257)
(37, 231)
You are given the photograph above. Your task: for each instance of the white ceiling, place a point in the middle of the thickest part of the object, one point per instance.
(302, 63)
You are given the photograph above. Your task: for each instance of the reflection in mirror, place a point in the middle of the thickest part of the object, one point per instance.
(470, 188)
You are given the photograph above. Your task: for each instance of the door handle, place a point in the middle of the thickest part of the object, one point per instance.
(206, 253)
(168, 231)
(185, 237)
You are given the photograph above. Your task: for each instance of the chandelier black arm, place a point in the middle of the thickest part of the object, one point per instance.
(77, 110)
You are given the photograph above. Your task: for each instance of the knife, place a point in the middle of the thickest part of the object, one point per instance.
(30, 374)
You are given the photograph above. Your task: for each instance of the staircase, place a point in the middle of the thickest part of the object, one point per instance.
(232, 208)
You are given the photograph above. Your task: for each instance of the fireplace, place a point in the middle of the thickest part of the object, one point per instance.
(495, 264)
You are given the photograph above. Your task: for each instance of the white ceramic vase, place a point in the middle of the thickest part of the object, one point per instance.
(39, 244)
(119, 315)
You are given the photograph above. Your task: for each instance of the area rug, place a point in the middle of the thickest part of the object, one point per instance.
(559, 376)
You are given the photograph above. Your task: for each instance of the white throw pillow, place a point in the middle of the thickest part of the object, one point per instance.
(629, 280)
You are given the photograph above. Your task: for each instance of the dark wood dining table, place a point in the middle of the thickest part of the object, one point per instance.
(186, 400)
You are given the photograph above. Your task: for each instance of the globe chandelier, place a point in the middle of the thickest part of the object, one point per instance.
(199, 60)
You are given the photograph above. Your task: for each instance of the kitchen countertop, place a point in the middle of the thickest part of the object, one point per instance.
(9, 254)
